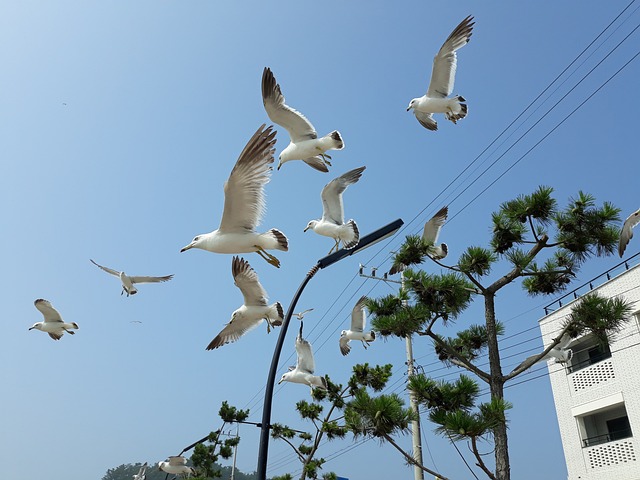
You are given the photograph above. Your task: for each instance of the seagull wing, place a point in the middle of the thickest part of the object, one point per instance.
(426, 120)
(246, 279)
(232, 331)
(107, 269)
(345, 348)
(177, 460)
(50, 314)
(445, 62)
(564, 342)
(432, 227)
(626, 234)
(244, 202)
(332, 206)
(166, 278)
(358, 316)
(305, 356)
(294, 122)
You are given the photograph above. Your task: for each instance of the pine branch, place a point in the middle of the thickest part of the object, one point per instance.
(411, 460)
(480, 463)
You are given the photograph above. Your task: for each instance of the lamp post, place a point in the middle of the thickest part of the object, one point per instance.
(324, 262)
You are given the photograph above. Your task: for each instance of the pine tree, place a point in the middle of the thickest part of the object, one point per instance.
(521, 238)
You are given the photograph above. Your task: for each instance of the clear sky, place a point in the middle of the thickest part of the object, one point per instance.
(121, 120)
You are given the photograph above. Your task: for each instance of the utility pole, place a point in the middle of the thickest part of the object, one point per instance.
(418, 473)
(235, 454)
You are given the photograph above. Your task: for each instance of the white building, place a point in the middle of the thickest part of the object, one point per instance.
(597, 392)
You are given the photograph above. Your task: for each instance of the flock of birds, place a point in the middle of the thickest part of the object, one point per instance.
(244, 207)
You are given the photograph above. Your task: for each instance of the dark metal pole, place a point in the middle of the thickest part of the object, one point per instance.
(263, 450)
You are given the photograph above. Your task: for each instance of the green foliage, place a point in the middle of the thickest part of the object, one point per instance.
(585, 230)
(378, 417)
(446, 295)
(206, 454)
(333, 400)
(443, 395)
(600, 316)
(468, 343)
(463, 424)
(412, 252)
(477, 261)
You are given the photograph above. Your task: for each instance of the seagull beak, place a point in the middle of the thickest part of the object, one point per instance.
(408, 108)
(280, 382)
(279, 165)
(306, 228)
(188, 247)
(31, 328)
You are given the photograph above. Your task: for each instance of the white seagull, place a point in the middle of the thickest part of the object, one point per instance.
(305, 366)
(430, 235)
(141, 473)
(244, 205)
(53, 323)
(300, 315)
(332, 222)
(127, 281)
(254, 310)
(560, 353)
(627, 234)
(356, 332)
(305, 144)
(176, 465)
(442, 80)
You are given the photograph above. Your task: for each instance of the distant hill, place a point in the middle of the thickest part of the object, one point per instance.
(127, 471)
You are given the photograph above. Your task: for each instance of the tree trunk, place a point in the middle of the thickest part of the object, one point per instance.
(503, 471)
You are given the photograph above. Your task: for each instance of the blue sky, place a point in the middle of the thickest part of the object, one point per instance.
(120, 122)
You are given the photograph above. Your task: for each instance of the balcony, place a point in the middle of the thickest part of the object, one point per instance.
(607, 437)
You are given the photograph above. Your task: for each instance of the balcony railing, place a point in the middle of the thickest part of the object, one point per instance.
(607, 437)
(574, 367)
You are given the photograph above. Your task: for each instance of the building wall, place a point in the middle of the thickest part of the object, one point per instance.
(613, 380)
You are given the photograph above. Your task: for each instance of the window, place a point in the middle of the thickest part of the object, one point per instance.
(604, 426)
(586, 352)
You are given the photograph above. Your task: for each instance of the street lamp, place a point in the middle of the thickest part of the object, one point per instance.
(324, 262)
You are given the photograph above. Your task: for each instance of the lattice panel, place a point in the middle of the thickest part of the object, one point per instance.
(598, 373)
(611, 454)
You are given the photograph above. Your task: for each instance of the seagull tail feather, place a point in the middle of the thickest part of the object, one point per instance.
(281, 242)
(354, 235)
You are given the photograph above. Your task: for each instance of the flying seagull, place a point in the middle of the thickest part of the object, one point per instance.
(305, 144)
(305, 366)
(53, 323)
(127, 281)
(141, 473)
(430, 235)
(300, 315)
(356, 332)
(244, 205)
(332, 222)
(176, 465)
(254, 310)
(560, 353)
(442, 80)
(627, 234)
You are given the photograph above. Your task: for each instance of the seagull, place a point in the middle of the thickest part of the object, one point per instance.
(244, 205)
(141, 473)
(127, 281)
(332, 222)
(442, 80)
(430, 235)
(560, 353)
(300, 315)
(176, 465)
(627, 234)
(305, 144)
(305, 366)
(356, 332)
(53, 323)
(254, 310)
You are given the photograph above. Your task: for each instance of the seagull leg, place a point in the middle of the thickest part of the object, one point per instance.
(269, 325)
(324, 157)
(267, 256)
(364, 344)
